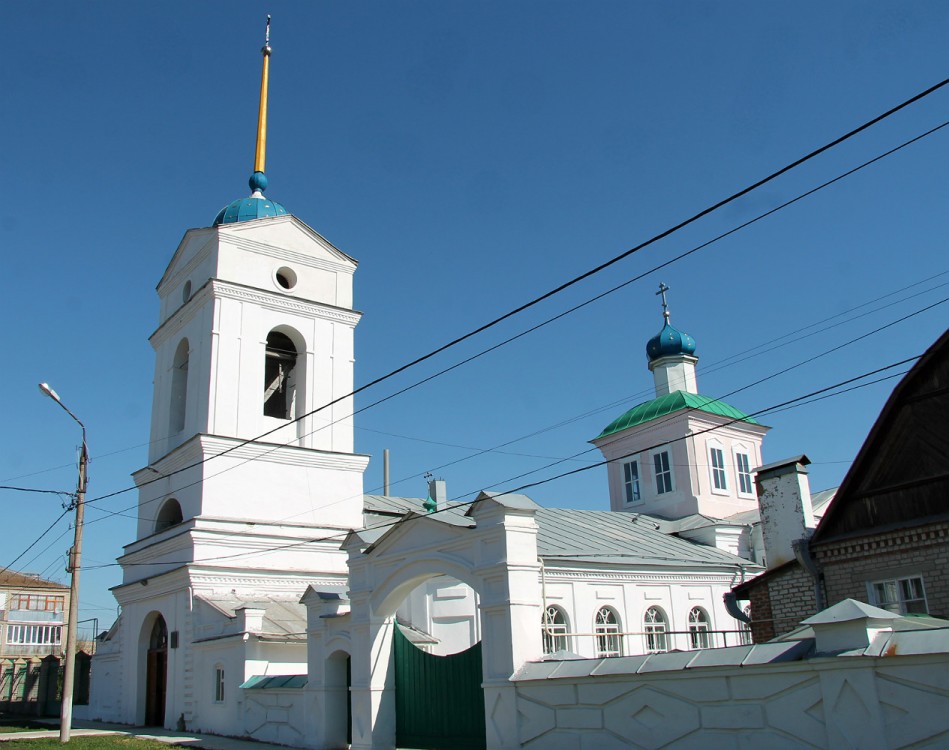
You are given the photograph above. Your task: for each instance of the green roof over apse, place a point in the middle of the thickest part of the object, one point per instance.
(672, 402)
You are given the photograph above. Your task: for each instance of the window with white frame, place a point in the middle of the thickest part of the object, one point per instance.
(717, 460)
(663, 472)
(654, 627)
(554, 630)
(608, 641)
(34, 635)
(743, 471)
(631, 481)
(900, 595)
(218, 683)
(698, 628)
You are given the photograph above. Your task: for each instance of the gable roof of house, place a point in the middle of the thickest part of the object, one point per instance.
(13, 579)
(900, 477)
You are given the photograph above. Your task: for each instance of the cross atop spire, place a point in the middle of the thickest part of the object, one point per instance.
(260, 157)
(665, 306)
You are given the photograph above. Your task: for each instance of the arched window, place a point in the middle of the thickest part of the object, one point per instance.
(158, 640)
(169, 515)
(280, 376)
(179, 388)
(554, 630)
(654, 626)
(608, 641)
(698, 628)
(744, 628)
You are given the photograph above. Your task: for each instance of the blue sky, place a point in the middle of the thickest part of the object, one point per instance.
(471, 156)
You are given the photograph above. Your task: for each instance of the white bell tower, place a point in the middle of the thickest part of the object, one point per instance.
(251, 451)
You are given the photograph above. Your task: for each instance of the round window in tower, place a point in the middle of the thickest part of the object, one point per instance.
(186, 292)
(286, 278)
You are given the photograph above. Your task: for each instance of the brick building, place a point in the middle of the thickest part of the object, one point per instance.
(885, 537)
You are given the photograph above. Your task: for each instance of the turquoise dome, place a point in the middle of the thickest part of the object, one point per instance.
(668, 342)
(254, 207)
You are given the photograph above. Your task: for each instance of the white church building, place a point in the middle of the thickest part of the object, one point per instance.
(266, 595)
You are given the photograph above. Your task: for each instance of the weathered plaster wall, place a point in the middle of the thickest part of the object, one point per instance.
(836, 702)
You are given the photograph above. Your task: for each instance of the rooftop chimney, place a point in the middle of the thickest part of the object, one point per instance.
(784, 497)
(438, 492)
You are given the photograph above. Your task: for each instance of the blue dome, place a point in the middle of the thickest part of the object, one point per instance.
(254, 207)
(248, 209)
(669, 341)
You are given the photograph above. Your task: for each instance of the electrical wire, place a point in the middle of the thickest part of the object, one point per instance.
(532, 328)
(336, 537)
(602, 267)
(7, 568)
(575, 280)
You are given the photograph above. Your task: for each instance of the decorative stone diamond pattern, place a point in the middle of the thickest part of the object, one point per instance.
(533, 719)
(907, 708)
(799, 711)
(648, 718)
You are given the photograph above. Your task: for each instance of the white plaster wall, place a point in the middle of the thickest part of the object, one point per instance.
(860, 702)
(139, 603)
(581, 593)
(276, 716)
(208, 715)
(446, 609)
(692, 485)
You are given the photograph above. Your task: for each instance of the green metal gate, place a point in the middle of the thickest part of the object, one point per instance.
(439, 703)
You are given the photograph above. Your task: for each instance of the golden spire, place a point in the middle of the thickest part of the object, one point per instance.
(260, 158)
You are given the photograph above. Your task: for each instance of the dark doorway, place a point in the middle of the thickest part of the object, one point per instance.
(156, 674)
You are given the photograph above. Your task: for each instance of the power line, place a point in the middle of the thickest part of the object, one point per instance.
(575, 280)
(587, 274)
(654, 426)
(522, 333)
(799, 400)
(33, 489)
(34, 542)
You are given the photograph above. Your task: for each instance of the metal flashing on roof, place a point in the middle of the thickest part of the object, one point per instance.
(670, 403)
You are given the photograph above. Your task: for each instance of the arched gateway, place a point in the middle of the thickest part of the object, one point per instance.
(492, 547)
(156, 673)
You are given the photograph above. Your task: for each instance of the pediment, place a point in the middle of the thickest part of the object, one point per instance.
(192, 244)
(285, 234)
(416, 532)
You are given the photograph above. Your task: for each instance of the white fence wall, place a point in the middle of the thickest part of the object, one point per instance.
(861, 702)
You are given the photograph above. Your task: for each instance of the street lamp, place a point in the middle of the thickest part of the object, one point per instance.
(75, 556)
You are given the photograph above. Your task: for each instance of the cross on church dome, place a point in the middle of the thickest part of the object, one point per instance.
(669, 341)
(256, 206)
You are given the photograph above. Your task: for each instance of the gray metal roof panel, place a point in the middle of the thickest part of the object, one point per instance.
(907, 642)
(575, 668)
(721, 657)
(768, 653)
(671, 661)
(605, 536)
(619, 665)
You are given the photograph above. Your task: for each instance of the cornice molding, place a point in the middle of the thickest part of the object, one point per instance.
(291, 256)
(282, 303)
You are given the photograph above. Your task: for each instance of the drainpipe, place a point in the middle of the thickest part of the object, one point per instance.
(802, 553)
(543, 586)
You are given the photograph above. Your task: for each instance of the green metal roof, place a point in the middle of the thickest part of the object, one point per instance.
(672, 402)
(273, 682)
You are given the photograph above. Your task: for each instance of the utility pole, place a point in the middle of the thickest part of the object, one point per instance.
(75, 559)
